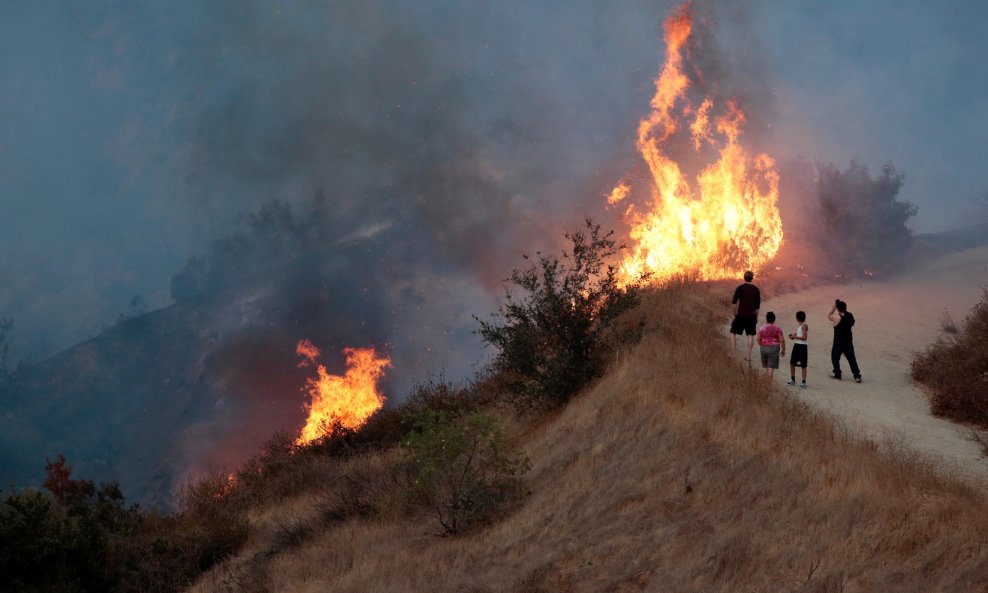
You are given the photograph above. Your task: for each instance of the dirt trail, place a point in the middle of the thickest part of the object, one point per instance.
(894, 319)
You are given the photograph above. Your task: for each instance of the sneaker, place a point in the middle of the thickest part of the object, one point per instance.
(835, 377)
(802, 385)
(857, 379)
(791, 382)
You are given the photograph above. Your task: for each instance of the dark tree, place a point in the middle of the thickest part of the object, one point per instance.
(60, 541)
(276, 233)
(862, 220)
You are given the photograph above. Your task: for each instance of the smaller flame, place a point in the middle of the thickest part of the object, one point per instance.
(619, 193)
(347, 400)
(308, 352)
(231, 483)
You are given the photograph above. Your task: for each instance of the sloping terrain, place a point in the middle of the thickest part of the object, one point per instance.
(681, 470)
(966, 237)
(199, 385)
(134, 402)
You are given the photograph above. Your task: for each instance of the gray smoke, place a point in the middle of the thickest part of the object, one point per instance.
(134, 135)
(444, 140)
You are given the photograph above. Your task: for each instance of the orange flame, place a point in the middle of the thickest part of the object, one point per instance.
(619, 193)
(725, 221)
(307, 351)
(347, 400)
(227, 488)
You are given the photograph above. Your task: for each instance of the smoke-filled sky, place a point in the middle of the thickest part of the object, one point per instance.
(132, 134)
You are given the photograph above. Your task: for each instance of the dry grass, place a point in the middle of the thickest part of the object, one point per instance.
(947, 323)
(981, 438)
(954, 367)
(679, 471)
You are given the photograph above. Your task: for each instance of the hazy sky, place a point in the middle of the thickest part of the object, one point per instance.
(900, 81)
(133, 133)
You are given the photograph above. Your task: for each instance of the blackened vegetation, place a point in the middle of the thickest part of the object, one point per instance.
(138, 307)
(555, 337)
(276, 233)
(955, 367)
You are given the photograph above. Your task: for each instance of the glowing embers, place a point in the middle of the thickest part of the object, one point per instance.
(346, 400)
(723, 221)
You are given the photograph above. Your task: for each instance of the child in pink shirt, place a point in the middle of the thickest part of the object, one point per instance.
(773, 344)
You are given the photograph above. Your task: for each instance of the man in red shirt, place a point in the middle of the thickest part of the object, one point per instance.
(747, 300)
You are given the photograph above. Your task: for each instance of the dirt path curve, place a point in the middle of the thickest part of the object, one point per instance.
(894, 319)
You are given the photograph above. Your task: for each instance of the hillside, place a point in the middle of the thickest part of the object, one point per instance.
(680, 470)
(200, 385)
(133, 403)
(966, 237)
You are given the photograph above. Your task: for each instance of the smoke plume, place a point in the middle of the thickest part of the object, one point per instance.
(357, 174)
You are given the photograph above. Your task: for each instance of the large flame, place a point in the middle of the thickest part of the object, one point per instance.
(726, 220)
(346, 400)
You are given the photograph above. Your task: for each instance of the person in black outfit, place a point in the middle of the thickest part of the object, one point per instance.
(843, 340)
(748, 299)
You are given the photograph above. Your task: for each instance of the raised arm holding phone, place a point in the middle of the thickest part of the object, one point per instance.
(843, 320)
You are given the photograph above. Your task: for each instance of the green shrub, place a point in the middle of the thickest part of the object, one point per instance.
(464, 468)
(78, 537)
(555, 337)
(45, 548)
(60, 540)
(956, 369)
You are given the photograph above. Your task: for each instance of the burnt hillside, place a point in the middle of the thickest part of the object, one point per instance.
(200, 384)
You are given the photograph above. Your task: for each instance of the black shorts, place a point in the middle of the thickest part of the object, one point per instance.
(744, 325)
(800, 355)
